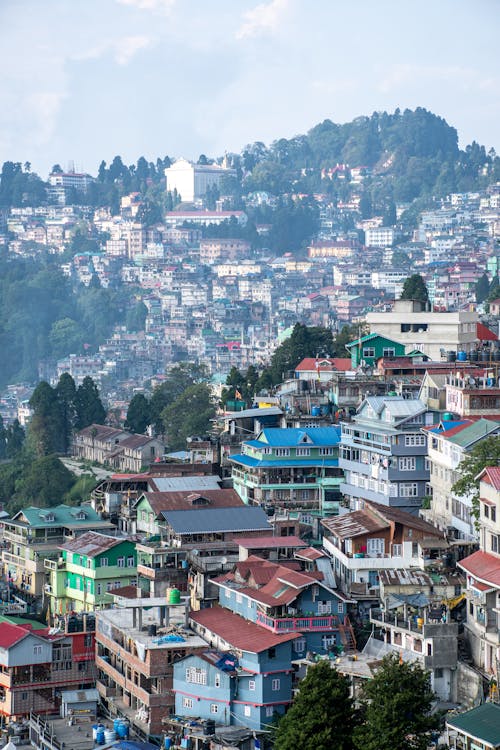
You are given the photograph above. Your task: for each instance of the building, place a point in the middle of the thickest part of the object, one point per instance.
(88, 570)
(36, 665)
(383, 453)
(264, 669)
(191, 181)
(432, 333)
(380, 237)
(377, 538)
(368, 349)
(138, 642)
(449, 442)
(483, 579)
(116, 448)
(478, 728)
(290, 468)
(34, 535)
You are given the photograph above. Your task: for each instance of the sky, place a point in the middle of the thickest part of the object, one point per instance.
(85, 80)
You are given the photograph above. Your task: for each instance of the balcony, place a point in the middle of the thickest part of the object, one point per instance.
(309, 623)
(54, 564)
(427, 628)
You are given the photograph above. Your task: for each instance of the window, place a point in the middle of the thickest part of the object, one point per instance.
(196, 675)
(24, 696)
(99, 589)
(82, 666)
(247, 711)
(438, 673)
(326, 451)
(37, 650)
(340, 608)
(486, 511)
(375, 546)
(130, 561)
(328, 641)
(494, 515)
(214, 708)
(187, 703)
(228, 593)
(494, 543)
(269, 710)
(407, 463)
(87, 640)
(388, 351)
(282, 452)
(271, 653)
(275, 685)
(239, 598)
(109, 585)
(408, 489)
(415, 440)
(397, 550)
(121, 562)
(249, 603)
(217, 680)
(89, 587)
(251, 684)
(303, 452)
(299, 645)
(104, 562)
(368, 351)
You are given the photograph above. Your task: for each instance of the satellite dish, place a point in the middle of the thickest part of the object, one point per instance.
(472, 381)
(195, 552)
(223, 560)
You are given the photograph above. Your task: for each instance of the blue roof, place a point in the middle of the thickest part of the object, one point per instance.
(443, 427)
(295, 436)
(306, 463)
(241, 518)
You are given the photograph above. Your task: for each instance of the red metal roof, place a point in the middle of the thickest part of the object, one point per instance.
(484, 333)
(324, 364)
(11, 634)
(238, 632)
(309, 554)
(483, 566)
(491, 475)
(271, 542)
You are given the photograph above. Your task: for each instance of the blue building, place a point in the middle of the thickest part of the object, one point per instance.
(260, 684)
(290, 468)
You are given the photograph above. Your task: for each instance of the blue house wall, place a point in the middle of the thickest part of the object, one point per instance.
(207, 701)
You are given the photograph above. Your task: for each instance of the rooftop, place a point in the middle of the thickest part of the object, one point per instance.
(92, 544)
(481, 723)
(217, 520)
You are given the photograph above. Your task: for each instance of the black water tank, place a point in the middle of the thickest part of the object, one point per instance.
(152, 631)
(210, 727)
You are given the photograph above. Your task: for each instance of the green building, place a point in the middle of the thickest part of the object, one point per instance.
(88, 570)
(371, 347)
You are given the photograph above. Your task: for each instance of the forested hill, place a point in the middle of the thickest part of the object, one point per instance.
(410, 154)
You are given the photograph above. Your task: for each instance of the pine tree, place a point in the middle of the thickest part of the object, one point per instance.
(138, 414)
(415, 288)
(321, 716)
(88, 405)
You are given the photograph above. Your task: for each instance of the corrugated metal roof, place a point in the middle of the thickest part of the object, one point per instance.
(205, 482)
(208, 520)
(64, 515)
(481, 723)
(267, 411)
(239, 633)
(477, 430)
(282, 463)
(91, 544)
(293, 436)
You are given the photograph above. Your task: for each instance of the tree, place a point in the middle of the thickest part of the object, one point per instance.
(188, 415)
(415, 288)
(482, 288)
(66, 394)
(304, 342)
(321, 716)
(88, 405)
(483, 454)
(44, 482)
(15, 437)
(179, 378)
(138, 414)
(136, 317)
(46, 427)
(397, 703)
(3, 440)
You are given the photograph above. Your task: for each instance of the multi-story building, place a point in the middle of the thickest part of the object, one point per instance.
(482, 568)
(117, 448)
(191, 181)
(380, 237)
(475, 395)
(37, 664)
(432, 333)
(383, 453)
(88, 570)
(290, 468)
(138, 642)
(34, 534)
(377, 538)
(448, 444)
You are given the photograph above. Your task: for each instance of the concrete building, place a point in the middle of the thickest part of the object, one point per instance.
(193, 180)
(482, 568)
(383, 453)
(430, 332)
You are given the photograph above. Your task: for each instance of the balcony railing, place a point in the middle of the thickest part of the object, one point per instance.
(292, 624)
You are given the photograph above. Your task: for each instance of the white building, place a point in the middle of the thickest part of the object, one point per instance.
(429, 332)
(193, 180)
(380, 237)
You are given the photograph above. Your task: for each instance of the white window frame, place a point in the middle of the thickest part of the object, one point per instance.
(303, 452)
(282, 452)
(120, 562)
(104, 562)
(251, 684)
(408, 489)
(275, 684)
(187, 702)
(247, 711)
(407, 463)
(217, 680)
(214, 708)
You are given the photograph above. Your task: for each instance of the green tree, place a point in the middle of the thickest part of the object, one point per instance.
(136, 317)
(66, 394)
(485, 453)
(347, 334)
(44, 482)
(415, 288)
(178, 379)
(88, 405)
(321, 716)
(15, 437)
(188, 415)
(46, 427)
(397, 702)
(482, 288)
(3, 440)
(138, 414)
(304, 342)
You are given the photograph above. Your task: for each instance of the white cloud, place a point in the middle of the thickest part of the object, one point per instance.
(264, 18)
(157, 6)
(126, 48)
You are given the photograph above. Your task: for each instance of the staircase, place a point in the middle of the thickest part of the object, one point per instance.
(347, 635)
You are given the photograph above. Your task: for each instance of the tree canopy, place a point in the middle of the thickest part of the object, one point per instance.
(321, 716)
(484, 453)
(188, 415)
(397, 702)
(415, 288)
